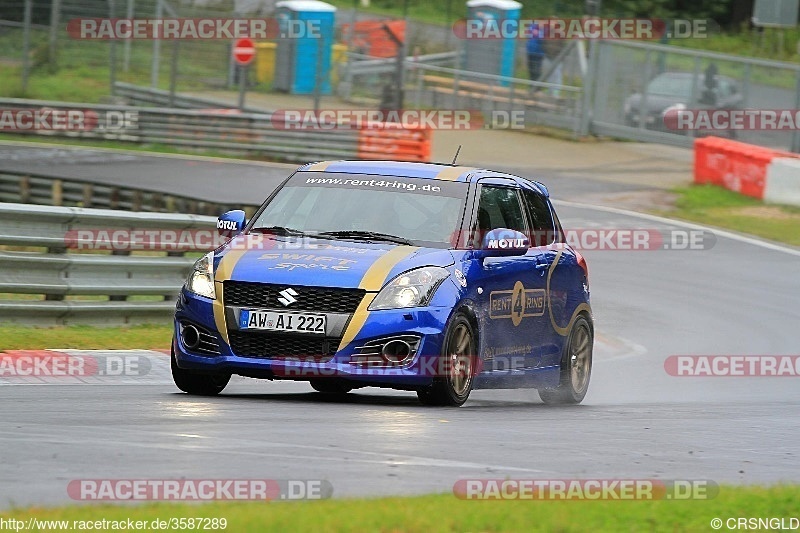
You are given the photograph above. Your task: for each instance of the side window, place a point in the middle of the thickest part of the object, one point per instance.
(499, 207)
(543, 231)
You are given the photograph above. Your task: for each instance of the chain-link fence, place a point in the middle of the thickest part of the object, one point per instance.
(206, 64)
(636, 85)
(616, 88)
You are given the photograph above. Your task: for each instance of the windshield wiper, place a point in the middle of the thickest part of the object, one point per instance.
(365, 235)
(279, 230)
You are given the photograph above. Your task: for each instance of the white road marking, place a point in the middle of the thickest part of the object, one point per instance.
(691, 225)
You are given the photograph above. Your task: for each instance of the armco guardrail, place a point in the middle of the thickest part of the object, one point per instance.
(243, 132)
(42, 189)
(65, 265)
(152, 97)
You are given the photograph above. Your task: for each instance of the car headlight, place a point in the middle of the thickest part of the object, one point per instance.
(414, 288)
(201, 280)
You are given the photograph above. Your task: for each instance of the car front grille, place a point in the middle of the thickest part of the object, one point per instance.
(283, 345)
(319, 299)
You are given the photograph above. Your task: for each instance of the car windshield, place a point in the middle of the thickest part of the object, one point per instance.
(416, 211)
(671, 85)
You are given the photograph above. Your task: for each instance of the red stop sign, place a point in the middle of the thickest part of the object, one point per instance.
(244, 51)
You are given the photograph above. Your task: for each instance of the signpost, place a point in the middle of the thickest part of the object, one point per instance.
(244, 51)
(775, 13)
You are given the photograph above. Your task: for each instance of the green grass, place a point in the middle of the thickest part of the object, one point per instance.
(444, 512)
(145, 337)
(81, 71)
(715, 206)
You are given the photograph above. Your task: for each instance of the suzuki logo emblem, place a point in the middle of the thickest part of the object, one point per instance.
(287, 296)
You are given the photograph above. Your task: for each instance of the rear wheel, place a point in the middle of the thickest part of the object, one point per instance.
(330, 386)
(198, 384)
(453, 388)
(576, 367)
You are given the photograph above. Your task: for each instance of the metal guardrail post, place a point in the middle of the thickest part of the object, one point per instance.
(796, 134)
(57, 192)
(694, 96)
(25, 189)
(88, 194)
(587, 100)
(643, 111)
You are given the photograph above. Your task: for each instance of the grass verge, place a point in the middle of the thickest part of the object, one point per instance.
(443, 512)
(144, 337)
(715, 206)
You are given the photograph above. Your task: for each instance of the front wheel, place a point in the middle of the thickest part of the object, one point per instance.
(197, 384)
(458, 353)
(576, 367)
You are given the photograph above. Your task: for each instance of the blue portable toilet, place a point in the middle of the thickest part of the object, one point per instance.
(496, 55)
(303, 54)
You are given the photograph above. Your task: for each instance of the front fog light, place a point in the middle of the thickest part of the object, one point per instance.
(414, 288)
(201, 280)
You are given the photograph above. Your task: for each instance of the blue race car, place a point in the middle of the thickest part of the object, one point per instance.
(431, 278)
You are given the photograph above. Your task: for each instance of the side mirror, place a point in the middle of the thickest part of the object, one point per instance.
(231, 224)
(502, 242)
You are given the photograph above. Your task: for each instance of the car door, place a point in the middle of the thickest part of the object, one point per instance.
(544, 249)
(512, 295)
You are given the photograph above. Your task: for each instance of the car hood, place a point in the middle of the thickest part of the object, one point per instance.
(320, 262)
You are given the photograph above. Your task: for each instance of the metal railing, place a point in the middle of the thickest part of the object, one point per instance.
(32, 188)
(151, 97)
(54, 270)
(623, 102)
(433, 82)
(240, 132)
(557, 105)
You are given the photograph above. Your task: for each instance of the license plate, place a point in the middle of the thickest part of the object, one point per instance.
(276, 321)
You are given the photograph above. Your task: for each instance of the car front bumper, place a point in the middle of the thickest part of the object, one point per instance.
(425, 324)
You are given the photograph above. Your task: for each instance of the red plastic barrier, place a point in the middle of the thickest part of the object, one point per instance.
(737, 166)
(409, 144)
(371, 37)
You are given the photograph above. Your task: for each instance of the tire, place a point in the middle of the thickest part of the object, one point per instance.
(458, 355)
(330, 386)
(198, 384)
(576, 367)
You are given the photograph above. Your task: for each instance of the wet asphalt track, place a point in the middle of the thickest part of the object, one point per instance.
(637, 421)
